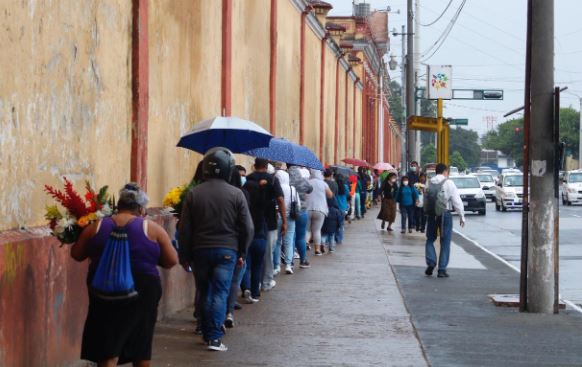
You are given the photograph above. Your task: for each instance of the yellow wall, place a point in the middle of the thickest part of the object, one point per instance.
(65, 93)
(185, 45)
(350, 125)
(312, 89)
(342, 116)
(65, 100)
(288, 64)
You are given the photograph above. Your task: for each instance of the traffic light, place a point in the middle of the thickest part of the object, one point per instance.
(493, 94)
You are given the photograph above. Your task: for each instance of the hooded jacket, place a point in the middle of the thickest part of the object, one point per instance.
(317, 199)
(289, 192)
(301, 184)
(334, 219)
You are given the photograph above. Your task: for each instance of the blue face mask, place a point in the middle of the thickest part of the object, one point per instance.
(243, 180)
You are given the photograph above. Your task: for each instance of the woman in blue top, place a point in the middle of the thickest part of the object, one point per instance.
(407, 198)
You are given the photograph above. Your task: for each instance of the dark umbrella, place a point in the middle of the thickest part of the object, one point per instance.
(233, 133)
(283, 150)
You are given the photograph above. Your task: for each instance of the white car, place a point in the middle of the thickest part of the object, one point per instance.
(453, 171)
(572, 187)
(487, 185)
(470, 190)
(509, 192)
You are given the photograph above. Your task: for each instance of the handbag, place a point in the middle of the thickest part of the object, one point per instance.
(294, 210)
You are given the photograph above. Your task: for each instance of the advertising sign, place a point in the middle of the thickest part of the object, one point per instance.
(439, 78)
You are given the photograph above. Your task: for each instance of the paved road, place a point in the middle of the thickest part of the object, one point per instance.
(501, 233)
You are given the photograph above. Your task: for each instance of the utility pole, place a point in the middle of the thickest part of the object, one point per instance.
(580, 138)
(403, 89)
(543, 206)
(381, 72)
(417, 106)
(411, 148)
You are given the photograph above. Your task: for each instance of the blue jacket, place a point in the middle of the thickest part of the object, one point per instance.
(407, 195)
(334, 219)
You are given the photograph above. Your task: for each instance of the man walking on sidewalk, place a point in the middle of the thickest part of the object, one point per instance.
(441, 198)
(215, 230)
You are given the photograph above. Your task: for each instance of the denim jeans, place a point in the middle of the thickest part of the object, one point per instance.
(255, 260)
(237, 277)
(363, 196)
(300, 234)
(328, 239)
(286, 244)
(407, 213)
(269, 254)
(214, 268)
(277, 245)
(445, 225)
(358, 207)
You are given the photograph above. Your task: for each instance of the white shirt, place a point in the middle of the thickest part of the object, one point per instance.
(451, 194)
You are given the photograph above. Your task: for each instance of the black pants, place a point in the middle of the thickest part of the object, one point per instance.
(420, 219)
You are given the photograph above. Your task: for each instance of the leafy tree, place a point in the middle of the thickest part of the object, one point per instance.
(466, 142)
(427, 109)
(508, 137)
(395, 100)
(428, 154)
(456, 160)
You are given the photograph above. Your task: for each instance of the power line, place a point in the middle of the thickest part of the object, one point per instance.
(446, 33)
(439, 17)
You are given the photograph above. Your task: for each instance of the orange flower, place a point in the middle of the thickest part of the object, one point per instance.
(83, 221)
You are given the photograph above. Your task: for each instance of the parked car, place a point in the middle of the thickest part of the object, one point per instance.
(509, 192)
(471, 193)
(487, 185)
(572, 187)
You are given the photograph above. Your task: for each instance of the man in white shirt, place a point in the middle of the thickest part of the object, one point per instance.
(443, 222)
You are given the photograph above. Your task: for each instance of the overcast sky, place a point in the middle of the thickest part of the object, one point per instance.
(487, 49)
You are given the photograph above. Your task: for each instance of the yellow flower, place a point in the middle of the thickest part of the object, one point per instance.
(83, 221)
(172, 198)
(92, 217)
(52, 212)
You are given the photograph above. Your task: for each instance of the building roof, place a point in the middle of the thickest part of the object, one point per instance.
(320, 4)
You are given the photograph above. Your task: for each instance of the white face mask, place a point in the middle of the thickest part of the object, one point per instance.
(393, 180)
(405, 183)
(243, 180)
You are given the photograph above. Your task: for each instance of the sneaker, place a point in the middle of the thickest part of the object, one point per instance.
(268, 286)
(443, 274)
(331, 250)
(248, 298)
(317, 253)
(322, 249)
(217, 346)
(403, 231)
(429, 270)
(296, 256)
(305, 265)
(277, 270)
(288, 269)
(198, 330)
(389, 229)
(229, 322)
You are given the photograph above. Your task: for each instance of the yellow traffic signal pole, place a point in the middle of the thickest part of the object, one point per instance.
(438, 126)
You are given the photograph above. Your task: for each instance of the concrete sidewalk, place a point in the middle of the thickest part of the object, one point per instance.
(345, 311)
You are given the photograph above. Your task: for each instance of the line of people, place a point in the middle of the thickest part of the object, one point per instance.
(238, 232)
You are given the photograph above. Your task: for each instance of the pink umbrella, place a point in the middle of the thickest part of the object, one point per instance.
(356, 162)
(381, 166)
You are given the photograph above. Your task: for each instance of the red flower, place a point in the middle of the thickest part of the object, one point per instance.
(69, 199)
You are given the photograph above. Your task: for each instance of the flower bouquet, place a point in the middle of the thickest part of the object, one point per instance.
(174, 198)
(78, 212)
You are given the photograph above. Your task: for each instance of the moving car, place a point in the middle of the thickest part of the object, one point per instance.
(453, 171)
(572, 187)
(509, 192)
(487, 184)
(471, 193)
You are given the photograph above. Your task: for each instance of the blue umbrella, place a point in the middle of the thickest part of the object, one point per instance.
(233, 133)
(283, 150)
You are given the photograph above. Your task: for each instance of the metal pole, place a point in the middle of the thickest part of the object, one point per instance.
(380, 156)
(410, 80)
(417, 109)
(526, 136)
(580, 138)
(557, 160)
(541, 280)
(403, 131)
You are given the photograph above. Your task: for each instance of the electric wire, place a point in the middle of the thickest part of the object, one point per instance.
(439, 17)
(445, 34)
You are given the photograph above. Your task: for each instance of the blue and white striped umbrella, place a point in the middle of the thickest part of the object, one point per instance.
(283, 150)
(233, 133)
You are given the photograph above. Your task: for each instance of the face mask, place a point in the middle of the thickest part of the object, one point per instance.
(413, 169)
(405, 183)
(243, 180)
(393, 180)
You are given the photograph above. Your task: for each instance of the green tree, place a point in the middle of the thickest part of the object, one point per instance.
(456, 160)
(427, 109)
(508, 136)
(466, 142)
(428, 154)
(395, 100)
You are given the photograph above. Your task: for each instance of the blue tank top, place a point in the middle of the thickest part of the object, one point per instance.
(144, 253)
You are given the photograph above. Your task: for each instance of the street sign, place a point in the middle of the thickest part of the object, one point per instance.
(439, 81)
(459, 122)
(478, 94)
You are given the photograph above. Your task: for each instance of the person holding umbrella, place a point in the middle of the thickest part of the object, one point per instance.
(389, 195)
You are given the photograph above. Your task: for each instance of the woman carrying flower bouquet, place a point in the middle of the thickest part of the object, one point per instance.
(118, 332)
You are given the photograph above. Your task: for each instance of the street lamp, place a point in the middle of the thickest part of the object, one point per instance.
(393, 64)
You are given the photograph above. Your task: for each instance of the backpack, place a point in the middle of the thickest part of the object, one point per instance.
(435, 201)
(113, 279)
